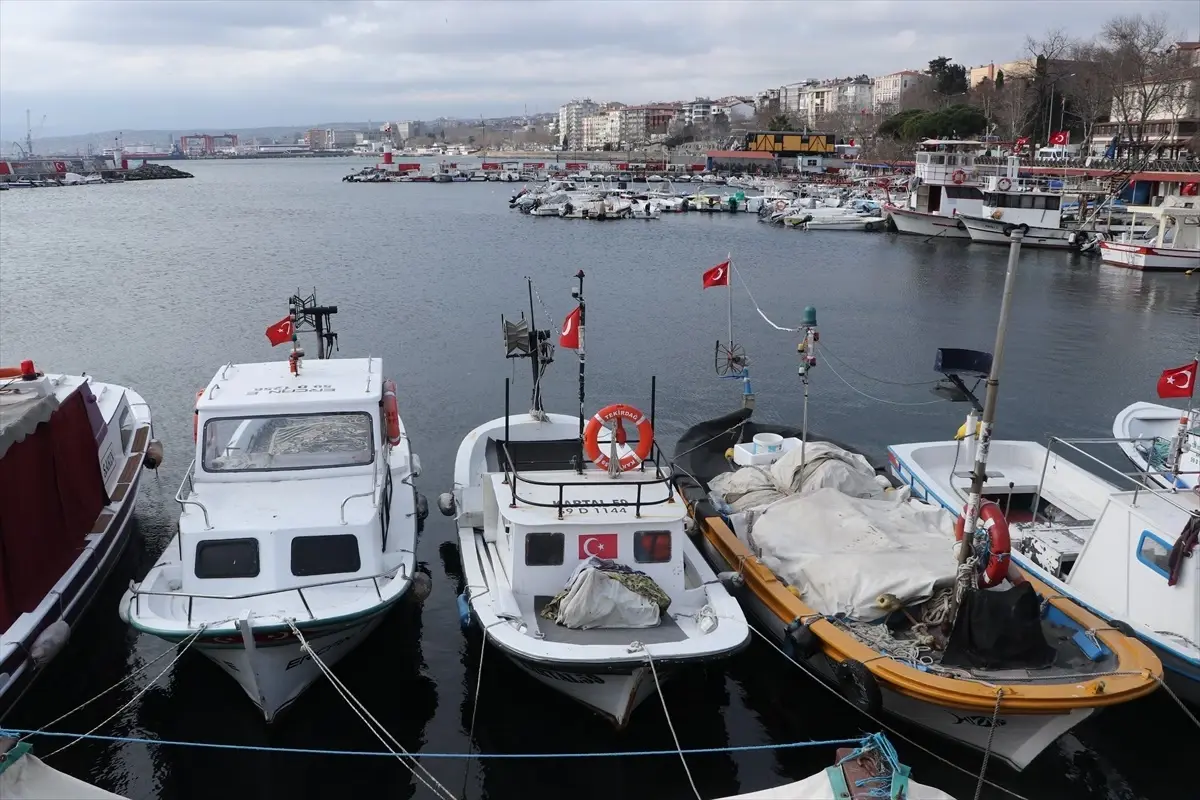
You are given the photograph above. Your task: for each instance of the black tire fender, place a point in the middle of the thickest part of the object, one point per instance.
(1023, 228)
(858, 686)
(802, 642)
(962, 226)
(1122, 627)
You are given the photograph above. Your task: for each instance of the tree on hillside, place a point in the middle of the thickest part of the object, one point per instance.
(780, 122)
(999, 80)
(1089, 93)
(1012, 108)
(957, 121)
(949, 78)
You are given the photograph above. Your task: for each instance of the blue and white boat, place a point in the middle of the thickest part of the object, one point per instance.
(1123, 549)
(1162, 441)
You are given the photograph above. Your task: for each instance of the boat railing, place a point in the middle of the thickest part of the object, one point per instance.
(185, 500)
(1138, 480)
(375, 487)
(138, 593)
(513, 477)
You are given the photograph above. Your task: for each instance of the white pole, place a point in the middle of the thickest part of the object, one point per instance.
(729, 287)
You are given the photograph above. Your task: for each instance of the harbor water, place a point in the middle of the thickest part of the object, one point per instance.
(155, 285)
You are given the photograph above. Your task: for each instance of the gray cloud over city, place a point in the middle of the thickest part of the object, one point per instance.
(95, 65)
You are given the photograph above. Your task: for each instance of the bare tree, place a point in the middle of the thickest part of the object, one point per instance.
(1014, 107)
(1089, 94)
(1148, 79)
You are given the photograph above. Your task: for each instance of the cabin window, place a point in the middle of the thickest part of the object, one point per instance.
(325, 555)
(543, 549)
(227, 558)
(1028, 201)
(951, 161)
(963, 192)
(126, 424)
(301, 441)
(652, 547)
(937, 159)
(1154, 553)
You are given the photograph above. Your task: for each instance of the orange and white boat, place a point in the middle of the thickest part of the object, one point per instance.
(1173, 245)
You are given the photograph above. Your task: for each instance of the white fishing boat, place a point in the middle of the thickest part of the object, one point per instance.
(1162, 441)
(1172, 245)
(299, 519)
(1010, 203)
(636, 602)
(72, 451)
(943, 186)
(857, 215)
(24, 776)
(1111, 544)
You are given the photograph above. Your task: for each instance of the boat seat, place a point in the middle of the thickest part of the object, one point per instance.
(666, 630)
(546, 454)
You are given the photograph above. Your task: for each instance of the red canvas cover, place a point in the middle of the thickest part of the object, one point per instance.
(51, 494)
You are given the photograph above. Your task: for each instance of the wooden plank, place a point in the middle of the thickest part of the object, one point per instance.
(140, 438)
(101, 523)
(118, 494)
(131, 468)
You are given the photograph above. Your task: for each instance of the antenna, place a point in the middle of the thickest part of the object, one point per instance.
(523, 341)
(307, 316)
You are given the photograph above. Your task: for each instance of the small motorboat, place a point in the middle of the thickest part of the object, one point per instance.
(24, 776)
(1161, 441)
(608, 625)
(72, 451)
(871, 771)
(299, 518)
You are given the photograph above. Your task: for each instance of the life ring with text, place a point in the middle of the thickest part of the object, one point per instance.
(1190, 189)
(780, 205)
(617, 412)
(992, 519)
(391, 413)
(196, 416)
(958, 176)
(1004, 184)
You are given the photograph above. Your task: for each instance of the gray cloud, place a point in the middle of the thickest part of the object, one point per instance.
(93, 65)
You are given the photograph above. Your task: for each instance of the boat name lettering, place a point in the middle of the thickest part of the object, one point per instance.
(320, 651)
(596, 506)
(978, 722)
(568, 677)
(304, 387)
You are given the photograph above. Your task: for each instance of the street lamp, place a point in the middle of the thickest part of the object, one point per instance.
(1050, 105)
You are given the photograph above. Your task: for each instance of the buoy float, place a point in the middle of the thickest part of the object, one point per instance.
(618, 411)
(391, 412)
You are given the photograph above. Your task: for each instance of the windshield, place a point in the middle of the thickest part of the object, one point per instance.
(308, 441)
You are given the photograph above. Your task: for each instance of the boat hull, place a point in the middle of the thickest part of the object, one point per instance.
(1149, 259)
(918, 223)
(613, 696)
(1017, 740)
(275, 675)
(991, 231)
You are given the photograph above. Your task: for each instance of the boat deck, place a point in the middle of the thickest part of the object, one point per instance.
(666, 631)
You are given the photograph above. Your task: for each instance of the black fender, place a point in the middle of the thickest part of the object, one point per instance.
(1122, 627)
(856, 683)
(802, 642)
(962, 226)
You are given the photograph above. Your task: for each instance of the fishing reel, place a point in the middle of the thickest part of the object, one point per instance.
(730, 360)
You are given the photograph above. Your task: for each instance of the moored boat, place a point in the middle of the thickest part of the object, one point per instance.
(72, 451)
(1172, 245)
(943, 187)
(1161, 441)
(608, 625)
(299, 518)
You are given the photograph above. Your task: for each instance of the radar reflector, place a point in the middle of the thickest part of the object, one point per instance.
(516, 337)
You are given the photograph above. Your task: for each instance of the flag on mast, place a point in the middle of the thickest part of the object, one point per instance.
(1178, 381)
(280, 332)
(717, 276)
(568, 337)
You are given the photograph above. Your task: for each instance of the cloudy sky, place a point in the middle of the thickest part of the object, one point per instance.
(94, 65)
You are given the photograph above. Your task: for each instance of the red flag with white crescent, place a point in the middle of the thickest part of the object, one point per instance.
(568, 337)
(717, 276)
(280, 332)
(600, 545)
(1178, 382)
(1059, 138)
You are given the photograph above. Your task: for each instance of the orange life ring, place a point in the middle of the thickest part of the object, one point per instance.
(958, 176)
(1190, 189)
(391, 413)
(997, 527)
(1004, 184)
(196, 416)
(619, 411)
(10, 372)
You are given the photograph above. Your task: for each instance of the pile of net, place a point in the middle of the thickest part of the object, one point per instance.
(605, 594)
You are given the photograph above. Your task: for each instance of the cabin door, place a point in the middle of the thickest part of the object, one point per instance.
(935, 199)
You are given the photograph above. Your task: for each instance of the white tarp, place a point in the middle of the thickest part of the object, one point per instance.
(595, 600)
(818, 787)
(29, 779)
(843, 552)
(824, 465)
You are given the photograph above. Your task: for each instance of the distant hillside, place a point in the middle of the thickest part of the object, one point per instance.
(102, 139)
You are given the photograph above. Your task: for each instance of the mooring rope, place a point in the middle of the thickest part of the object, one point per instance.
(415, 767)
(636, 647)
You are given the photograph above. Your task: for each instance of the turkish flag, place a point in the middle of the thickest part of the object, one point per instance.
(1178, 382)
(568, 337)
(717, 276)
(280, 332)
(1060, 138)
(600, 545)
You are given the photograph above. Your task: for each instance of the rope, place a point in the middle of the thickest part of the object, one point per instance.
(881, 723)
(712, 438)
(873, 397)
(1179, 702)
(475, 706)
(313, 751)
(188, 643)
(634, 647)
(754, 302)
(987, 753)
(376, 728)
(825, 349)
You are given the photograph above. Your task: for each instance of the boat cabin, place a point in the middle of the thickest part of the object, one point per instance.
(542, 517)
(1007, 200)
(291, 478)
(1176, 223)
(945, 169)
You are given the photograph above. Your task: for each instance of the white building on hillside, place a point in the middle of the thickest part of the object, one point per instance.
(890, 89)
(735, 109)
(570, 121)
(698, 112)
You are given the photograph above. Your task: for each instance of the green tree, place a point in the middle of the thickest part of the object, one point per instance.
(949, 78)
(999, 79)
(780, 122)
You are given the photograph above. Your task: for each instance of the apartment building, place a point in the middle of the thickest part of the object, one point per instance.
(570, 121)
(648, 123)
(1172, 122)
(889, 90)
(698, 112)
